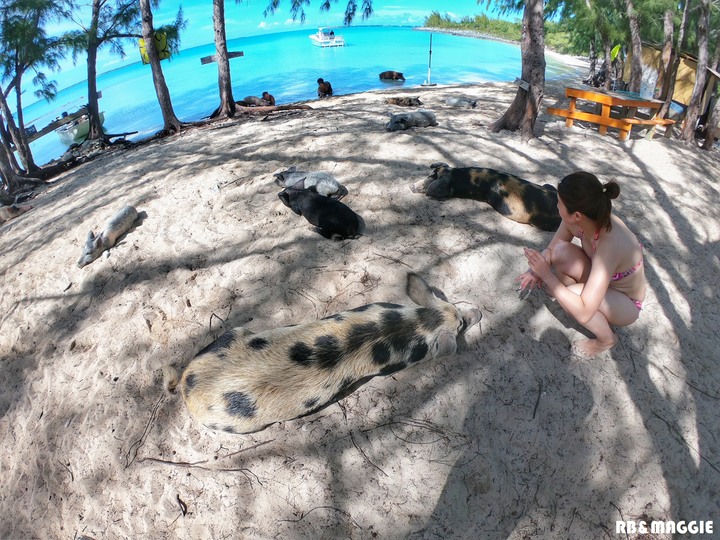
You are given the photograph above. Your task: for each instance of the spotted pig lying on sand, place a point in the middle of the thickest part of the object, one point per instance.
(513, 197)
(243, 382)
(404, 101)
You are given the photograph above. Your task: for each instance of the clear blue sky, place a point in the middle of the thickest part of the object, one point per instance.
(246, 18)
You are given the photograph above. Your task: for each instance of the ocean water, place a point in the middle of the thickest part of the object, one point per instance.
(286, 65)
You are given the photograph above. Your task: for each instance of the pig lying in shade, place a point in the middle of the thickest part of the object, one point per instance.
(511, 196)
(243, 382)
(331, 218)
(421, 118)
(325, 183)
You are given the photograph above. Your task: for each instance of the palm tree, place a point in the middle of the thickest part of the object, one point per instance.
(636, 47)
(171, 124)
(227, 102)
(669, 82)
(523, 111)
(24, 48)
(693, 110)
(111, 23)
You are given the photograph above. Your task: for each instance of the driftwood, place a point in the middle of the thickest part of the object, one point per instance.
(270, 108)
(120, 135)
(245, 109)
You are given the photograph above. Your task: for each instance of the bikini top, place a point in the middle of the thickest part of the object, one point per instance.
(617, 275)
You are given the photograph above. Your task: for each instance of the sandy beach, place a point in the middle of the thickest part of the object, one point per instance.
(512, 437)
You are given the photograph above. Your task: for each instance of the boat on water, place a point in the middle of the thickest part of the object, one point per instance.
(77, 130)
(327, 38)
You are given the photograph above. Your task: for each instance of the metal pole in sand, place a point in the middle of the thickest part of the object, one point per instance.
(427, 82)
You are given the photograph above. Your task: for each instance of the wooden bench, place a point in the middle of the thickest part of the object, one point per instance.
(667, 123)
(604, 102)
(603, 121)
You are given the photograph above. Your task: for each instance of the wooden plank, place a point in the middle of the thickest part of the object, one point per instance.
(52, 126)
(213, 58)
(603, 121)
(653, 121)
(620, 123)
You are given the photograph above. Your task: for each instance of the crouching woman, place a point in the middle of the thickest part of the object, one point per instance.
(601, 282)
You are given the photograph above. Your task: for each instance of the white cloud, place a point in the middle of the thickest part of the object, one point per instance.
(398, 13)
(265, 26)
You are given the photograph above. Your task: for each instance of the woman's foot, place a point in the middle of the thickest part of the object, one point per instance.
(592, 347)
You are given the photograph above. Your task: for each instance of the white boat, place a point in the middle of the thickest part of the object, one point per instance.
(327, 38)
(77, 130)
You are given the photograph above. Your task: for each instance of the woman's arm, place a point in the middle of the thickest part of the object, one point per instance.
(531, 279)
(584, 306)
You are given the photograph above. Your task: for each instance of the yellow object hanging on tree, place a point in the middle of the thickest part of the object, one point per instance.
(160, 46)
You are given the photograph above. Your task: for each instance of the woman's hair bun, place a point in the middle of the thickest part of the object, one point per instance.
(612, 189)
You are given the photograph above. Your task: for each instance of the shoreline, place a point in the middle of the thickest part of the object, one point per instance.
(577, 61)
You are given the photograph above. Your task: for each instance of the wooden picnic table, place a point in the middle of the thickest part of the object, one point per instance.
(604, 101)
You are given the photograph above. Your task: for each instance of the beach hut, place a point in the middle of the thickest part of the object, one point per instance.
(684, 81)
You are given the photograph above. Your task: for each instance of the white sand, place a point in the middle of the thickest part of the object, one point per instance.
(511, 438)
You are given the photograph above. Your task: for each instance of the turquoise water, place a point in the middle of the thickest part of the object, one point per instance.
(286, 65)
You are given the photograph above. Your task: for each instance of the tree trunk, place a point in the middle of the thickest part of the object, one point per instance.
(18, 138)
(9, 176)
(662, 113)
(593, 59)
(8, 144)
(711, 124)
(170, 121)
(21, 143)
(693, 110)
(11, 180)
(711, 131)
(636, 45)
(608, 65)
(523, 111)
(96, 131)
(227, 102)
(666, 56)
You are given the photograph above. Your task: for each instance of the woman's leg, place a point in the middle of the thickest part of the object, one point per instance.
(571, 263)
(616, 309)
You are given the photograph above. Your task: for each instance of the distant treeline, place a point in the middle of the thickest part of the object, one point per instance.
(555, 37)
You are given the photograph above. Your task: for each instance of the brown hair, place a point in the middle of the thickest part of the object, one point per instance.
(582, 192)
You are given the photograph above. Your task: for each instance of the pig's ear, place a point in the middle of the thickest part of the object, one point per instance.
(419, 291)
(470, 317)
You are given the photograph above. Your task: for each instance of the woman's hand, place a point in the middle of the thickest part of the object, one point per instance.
(528, 280)
(539, 266)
